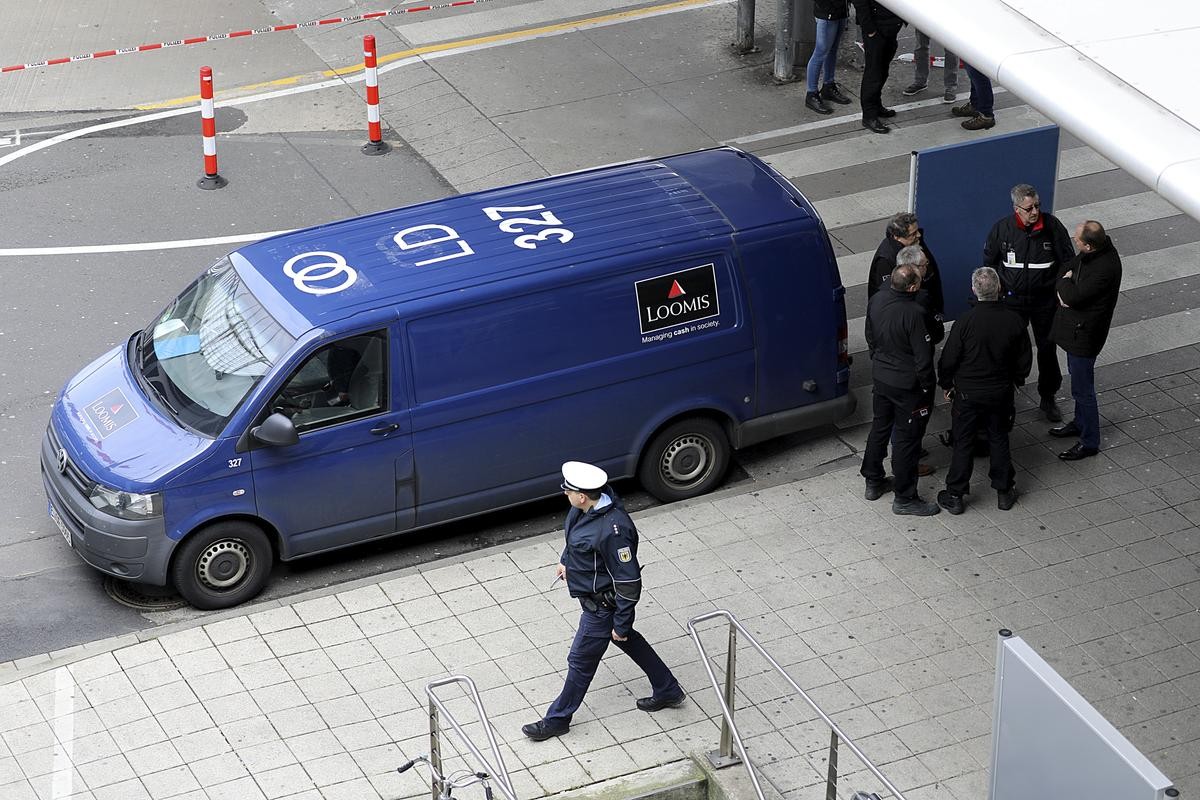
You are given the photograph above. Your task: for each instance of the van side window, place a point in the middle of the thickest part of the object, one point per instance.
(342, 381)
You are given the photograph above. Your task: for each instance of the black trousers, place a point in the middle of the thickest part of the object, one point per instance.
(1041, 319)
(969, 415)
(900, 415)
(879, 49)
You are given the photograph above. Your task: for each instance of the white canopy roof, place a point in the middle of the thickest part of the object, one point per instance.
(1121, 75)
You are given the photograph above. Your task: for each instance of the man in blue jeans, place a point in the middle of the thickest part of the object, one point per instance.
(599, 563)
(979, 110)
(1087, 295)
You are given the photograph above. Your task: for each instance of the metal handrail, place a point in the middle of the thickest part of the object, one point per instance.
(436, 706)
(729, 727)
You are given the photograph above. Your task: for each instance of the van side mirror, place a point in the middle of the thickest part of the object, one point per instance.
(277, 430)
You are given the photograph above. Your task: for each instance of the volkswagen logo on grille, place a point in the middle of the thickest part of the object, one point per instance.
(62, 460)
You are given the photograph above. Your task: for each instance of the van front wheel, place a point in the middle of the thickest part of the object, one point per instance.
(686, 459)
(222, 565)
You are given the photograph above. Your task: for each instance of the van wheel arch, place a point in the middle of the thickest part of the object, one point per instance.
(224, 562)
(687, 456)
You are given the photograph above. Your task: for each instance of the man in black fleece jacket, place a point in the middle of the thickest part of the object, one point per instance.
(986, 356)
(902, 368)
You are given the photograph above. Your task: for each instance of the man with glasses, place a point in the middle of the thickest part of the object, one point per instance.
(1029, 249)
(600, 566)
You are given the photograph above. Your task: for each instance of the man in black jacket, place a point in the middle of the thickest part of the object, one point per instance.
(902, 367)
(1029, 249)
(986, 356)
(1087, 295)
(904, 230)
(880, 29)
(600, 566)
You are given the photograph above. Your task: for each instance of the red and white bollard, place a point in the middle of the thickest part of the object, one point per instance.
(375, 145)
(208, 128)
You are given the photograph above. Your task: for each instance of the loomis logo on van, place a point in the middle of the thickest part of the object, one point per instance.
(110, 413)
(677, 298)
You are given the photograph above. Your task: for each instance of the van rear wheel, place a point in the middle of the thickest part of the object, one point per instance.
(686, 459)
(222, 565)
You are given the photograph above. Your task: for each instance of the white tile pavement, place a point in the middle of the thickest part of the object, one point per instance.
(888, 622)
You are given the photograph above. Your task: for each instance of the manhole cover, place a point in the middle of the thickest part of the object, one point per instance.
(142, 597)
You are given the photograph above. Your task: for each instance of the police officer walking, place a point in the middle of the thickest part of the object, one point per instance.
(601, 568)
(986, 356)
(902, 367)
(1029, 249)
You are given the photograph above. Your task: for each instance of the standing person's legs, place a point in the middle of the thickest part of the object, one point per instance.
(906, 444)
(591, 640)
(824, 44)
(999, 422)
(963, 425)
(950, 71)
(877, 440)
(1083, 391)
(920, 66)
(1041, 318)
(874, 74)
(663, 684)
(982, 97)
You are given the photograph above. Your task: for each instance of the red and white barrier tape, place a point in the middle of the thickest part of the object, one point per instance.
(237, 34)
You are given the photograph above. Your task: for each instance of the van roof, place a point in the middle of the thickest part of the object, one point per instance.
(342, 268)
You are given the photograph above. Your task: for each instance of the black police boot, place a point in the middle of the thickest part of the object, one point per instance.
(876, 125)
(877, 489)
(1049, 409)
(653, 704)
(1007, 499)
(915, 507)
(541, 730)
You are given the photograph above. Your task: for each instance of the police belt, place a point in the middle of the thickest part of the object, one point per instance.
(595, 602)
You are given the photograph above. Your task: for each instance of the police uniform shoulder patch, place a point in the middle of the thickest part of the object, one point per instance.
(625, 554)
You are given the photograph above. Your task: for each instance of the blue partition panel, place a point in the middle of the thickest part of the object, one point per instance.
(960, 190)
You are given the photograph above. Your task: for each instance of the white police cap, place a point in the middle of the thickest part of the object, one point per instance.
(581, 477)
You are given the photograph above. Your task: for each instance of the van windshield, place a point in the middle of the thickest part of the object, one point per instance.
(209, 348)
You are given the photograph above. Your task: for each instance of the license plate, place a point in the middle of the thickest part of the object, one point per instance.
(62, 527)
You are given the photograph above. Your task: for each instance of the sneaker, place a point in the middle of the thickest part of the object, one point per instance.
(652, 704)
(1050, 409)
(949, 96)
(950, 501)
(914, 88)
(965, 110)
(832, 92)
(1006, 500)
(915, 507)
(813, 102)
(877, 489)
(979, 123)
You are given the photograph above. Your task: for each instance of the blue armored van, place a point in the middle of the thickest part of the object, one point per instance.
(368, 377)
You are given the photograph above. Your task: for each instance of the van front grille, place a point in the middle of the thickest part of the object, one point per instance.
(65, 466)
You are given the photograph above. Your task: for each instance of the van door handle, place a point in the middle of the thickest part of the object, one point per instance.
(383, 430)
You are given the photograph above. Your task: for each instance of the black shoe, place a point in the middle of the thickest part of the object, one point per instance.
(1065, 431)
(887, 113)
(1077, 452)
(814, 102)
(965, 110)
(951, 502)
(979, 122)
(1050, 409)
(832, 92)
(653, 704)
(877, 489)
(1006, 500)
(540, 731)
(915, 507)
(875, 125)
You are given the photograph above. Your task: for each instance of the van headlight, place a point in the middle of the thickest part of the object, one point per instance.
(126, 505)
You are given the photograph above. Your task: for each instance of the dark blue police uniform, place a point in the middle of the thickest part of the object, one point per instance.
(603, 573)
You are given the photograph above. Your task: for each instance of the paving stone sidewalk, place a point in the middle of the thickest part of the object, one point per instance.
(889, 622)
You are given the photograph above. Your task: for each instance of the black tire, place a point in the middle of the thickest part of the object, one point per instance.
(222, 565)
(686, 459)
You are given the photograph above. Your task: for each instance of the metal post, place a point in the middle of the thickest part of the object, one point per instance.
(743, 37)
(783, 42)
(831, 778)
(435, 748)
(725, 757)
(804, 32)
